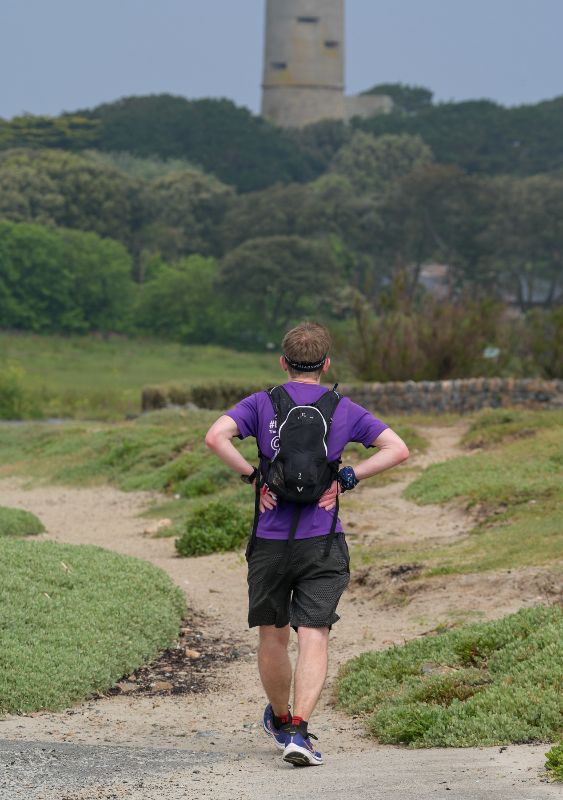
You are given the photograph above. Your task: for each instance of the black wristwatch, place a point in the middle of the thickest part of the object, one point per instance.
(250, 478)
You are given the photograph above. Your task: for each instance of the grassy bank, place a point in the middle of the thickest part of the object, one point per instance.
(75, 619)
(486, 684)
(513, 482)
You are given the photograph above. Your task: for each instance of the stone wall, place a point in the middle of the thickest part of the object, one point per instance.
(456, 395)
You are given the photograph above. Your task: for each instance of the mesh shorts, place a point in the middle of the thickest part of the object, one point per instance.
(307, 592)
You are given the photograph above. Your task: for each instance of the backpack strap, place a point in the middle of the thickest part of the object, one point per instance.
(332, 534)
(327, 404)
(257, 488)
(281, 402)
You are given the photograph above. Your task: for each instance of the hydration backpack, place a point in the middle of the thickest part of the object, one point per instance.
(300, 471)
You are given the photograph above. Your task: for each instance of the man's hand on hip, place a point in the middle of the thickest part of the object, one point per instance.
(328, 500)
(268, 501)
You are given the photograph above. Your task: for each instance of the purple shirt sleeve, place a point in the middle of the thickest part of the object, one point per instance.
(363, 426)
(245, 414)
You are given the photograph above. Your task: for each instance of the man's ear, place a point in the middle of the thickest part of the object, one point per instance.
(326, 365)
(283, 363)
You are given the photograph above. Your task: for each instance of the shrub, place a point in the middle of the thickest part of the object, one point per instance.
(554, 763)
(217, 527)
(16, 522)
(15, 401)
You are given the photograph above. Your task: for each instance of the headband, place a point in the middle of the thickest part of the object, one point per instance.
(304, 366)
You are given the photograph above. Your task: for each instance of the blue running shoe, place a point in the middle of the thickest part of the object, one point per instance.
(300, 752)
(279, 735)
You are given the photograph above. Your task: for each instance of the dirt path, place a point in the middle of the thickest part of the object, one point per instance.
(217, 734)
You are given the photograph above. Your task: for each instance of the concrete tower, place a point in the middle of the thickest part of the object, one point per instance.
(304, 61)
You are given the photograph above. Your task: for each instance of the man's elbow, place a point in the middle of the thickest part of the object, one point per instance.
(403, 453)
(211, 439)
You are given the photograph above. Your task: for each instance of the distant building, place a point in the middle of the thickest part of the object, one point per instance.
(304, 65)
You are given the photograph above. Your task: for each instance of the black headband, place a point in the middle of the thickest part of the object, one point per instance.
(304, 366)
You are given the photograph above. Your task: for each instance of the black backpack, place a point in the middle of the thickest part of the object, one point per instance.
(299, 472)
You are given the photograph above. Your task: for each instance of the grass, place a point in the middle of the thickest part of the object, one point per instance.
(16, 522)
(90, 377)
(494, 426)
(516, 484)
(75, 619)
(489, 683)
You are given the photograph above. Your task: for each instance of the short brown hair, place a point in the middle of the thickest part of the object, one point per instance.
(308, 343)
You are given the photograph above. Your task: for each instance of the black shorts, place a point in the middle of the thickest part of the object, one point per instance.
(307, 591)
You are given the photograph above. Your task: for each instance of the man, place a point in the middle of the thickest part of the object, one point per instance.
(299, 587)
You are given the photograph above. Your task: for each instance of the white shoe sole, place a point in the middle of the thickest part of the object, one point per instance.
(300, 757)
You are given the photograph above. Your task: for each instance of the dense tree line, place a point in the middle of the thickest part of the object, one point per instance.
(227, 236)
(249, 153)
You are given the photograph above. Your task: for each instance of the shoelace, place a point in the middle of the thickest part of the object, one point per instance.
(293, 731)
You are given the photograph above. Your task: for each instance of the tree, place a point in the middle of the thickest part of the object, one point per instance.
(524, 238)
(52, 186)
(183, 213)
(406, 99)
(483, 137)
(371, 164)
(319, 142)
(55, 280)
(277, 279)
(277, 210)
(241, 149)
(327, 207)
(437, 212)
(67, 132)
(180, 301)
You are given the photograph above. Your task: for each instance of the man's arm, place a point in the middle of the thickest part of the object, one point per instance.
(219, 440)
(392, 451)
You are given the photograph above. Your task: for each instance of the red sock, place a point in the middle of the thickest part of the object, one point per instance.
(283, 720)
(296, 720)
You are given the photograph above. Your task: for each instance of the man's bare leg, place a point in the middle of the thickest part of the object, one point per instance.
(310, 670)
(275, 667)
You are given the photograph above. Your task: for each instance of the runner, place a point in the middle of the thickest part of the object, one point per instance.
(298, 561)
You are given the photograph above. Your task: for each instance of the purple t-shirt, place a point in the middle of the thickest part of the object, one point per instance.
(255, 416)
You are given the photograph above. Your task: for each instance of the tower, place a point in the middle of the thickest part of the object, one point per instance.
(304, 61)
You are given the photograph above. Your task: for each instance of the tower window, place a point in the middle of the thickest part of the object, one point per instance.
(278, 65)
(332, 44)
(310, 20)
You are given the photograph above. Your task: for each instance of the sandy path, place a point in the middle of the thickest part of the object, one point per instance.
(219, 729)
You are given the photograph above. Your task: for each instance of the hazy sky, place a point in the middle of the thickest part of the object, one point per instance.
(65, 54)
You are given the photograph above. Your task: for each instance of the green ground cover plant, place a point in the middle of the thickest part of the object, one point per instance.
(17, 522)
(75, 619)
(554, 763)
(485, 684)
